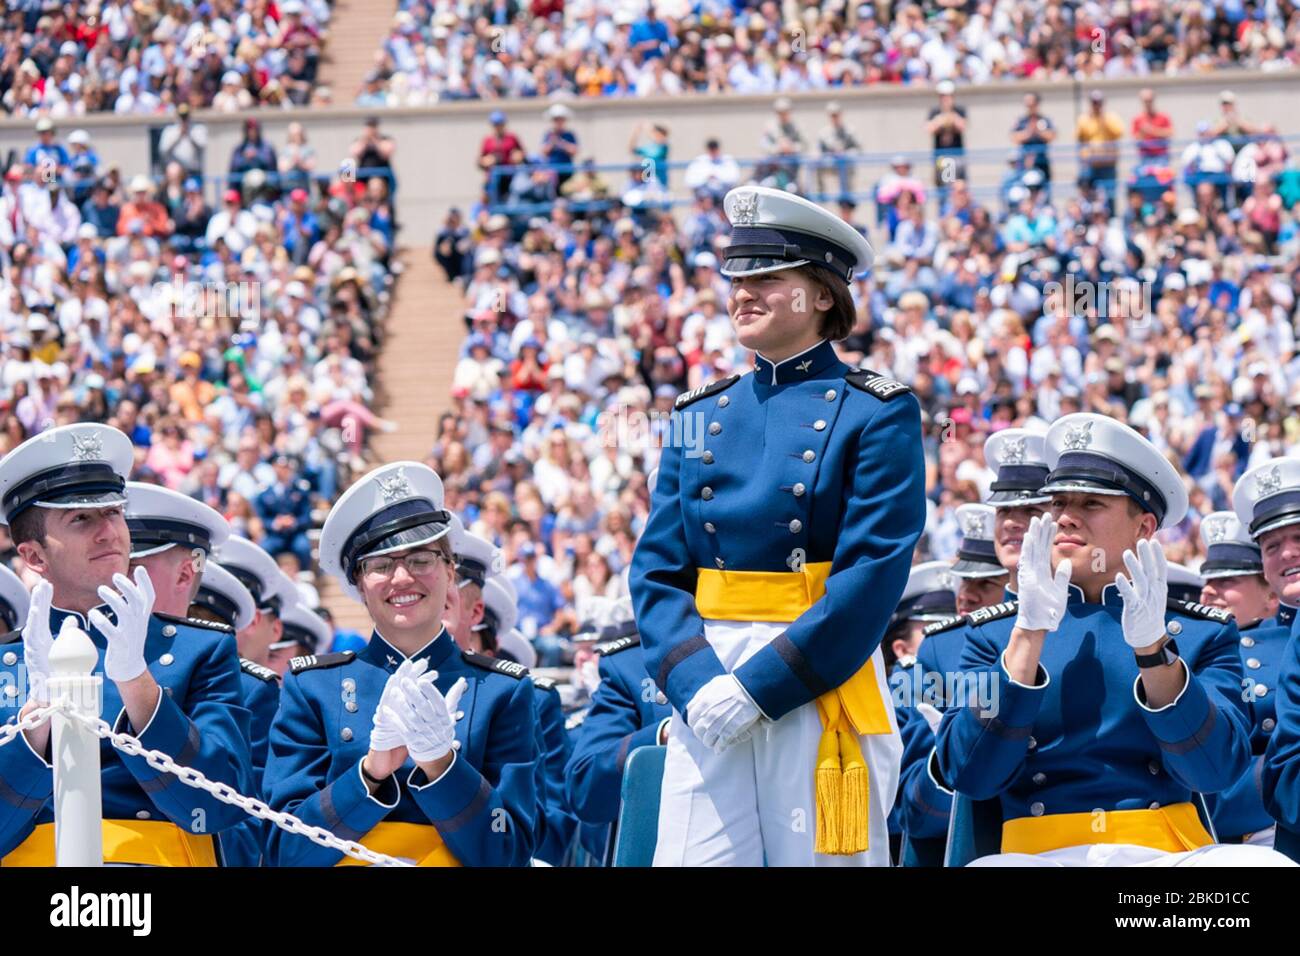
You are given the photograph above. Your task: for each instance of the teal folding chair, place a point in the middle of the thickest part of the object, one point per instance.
(974, 830)
(921, 851)
(638, 814)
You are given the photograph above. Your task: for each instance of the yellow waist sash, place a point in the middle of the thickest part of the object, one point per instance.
(1174, 829)
(852, 709)
(142, 842)
(414, 841)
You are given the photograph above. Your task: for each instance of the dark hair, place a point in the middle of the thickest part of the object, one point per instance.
(28, 526)
(839, 319)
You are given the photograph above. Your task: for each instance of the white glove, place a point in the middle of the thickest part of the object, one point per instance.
(425, 718)
(132, 604)
(384, 734)
(722, 713)
(1042, 595)
(1146, 597)
(37, 642)
(931, 715)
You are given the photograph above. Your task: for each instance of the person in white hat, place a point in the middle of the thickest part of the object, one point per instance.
(1113, 699)
(626, 712)
(774, 555)
(981, 578)
(272, 592)
(1233, 575)
(62, 496)
(1019, 456)
(1266, 500)
(410, 746)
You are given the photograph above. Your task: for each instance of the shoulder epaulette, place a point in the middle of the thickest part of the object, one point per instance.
(257, 670)
(497, 664)
(704, 391)
(983, 615)
(1200, 610)
(545, 683)
(314, 661)
(619, 644)
(946, 624)
(574, 720)
(873, 383)
(11, 636)
(196, 622)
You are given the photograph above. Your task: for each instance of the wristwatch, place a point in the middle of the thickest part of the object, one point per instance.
(1166, 654)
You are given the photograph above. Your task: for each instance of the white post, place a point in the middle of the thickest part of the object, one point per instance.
(78, 808)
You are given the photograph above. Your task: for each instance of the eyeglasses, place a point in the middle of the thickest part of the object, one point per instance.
(416, 564)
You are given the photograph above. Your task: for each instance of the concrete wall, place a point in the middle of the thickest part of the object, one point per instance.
(438, 146)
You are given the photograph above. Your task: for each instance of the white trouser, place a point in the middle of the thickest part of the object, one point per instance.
(1126, 854)
(754, 805)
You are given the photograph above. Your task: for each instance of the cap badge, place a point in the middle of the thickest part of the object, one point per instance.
(945, 580)
(88, 447)
(746, 210)
(1267, 482)
(1013, 452)
(1216, 530)
(395, 487)
(972, 524)
(1077, 439)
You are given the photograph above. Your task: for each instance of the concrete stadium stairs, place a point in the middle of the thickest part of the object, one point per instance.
(357, 29)
(413, 383)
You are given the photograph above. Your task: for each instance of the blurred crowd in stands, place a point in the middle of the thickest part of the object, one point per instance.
(233, 341)
(440, 49)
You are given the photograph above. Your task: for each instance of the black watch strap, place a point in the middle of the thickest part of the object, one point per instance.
(1167, 654)
(369, 779)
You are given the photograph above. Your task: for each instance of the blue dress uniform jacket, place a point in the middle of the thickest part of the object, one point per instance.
(626, 711)
(200, 722)
(1280, 776)
(555, 823)
(1079, 740)
(484, 806)
(806, 461)
(244, 845)
(925, 805)
(1240, 810)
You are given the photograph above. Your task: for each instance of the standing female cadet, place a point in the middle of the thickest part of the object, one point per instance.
(788, 504)
(409, 746)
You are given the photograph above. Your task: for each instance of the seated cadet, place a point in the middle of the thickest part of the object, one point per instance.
(1020, 456)
(928, 598)
(497, 634)
(173, 537)
(14, 600)
(223, 599)
(1234, 580)
(981, 580)
(627, 711)
(303, 632)
(62, 495)
(410, 746)
(1266, 499)
(1185, 584)
(923, 807)
(1115, 705)
(487, 628)
(271, 589)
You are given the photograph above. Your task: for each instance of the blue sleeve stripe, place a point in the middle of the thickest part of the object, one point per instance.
(799, 665)
(676, 656)
(1196, 740)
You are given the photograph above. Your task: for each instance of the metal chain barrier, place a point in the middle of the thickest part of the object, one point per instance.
(192, 778)
(33, 720)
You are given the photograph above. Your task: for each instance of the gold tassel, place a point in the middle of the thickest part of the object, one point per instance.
(856, 789)
(829, 786)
